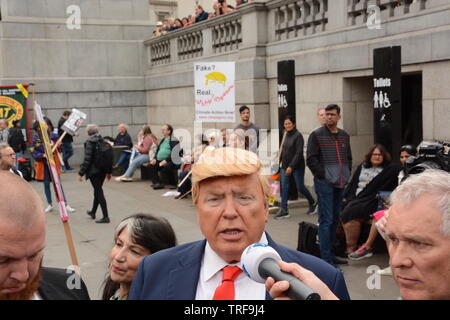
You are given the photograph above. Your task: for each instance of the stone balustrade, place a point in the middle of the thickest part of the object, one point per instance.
(266, 23)
(300, 18)
(360, 10)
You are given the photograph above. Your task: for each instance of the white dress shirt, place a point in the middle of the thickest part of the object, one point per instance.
(211, 277)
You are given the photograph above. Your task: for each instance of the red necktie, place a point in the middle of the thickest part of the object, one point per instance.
(226, 290)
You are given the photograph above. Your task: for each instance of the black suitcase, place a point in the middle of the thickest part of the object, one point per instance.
(26, 169)
(308, 239)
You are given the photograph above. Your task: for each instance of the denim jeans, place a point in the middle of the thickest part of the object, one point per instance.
(330, 201)
(67, 151)
(124, 159)
(299, 177)
(47, 182)
(136, 163)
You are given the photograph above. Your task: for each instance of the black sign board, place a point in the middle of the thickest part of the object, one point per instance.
(286, 91)
(286, 105)
(387, 109)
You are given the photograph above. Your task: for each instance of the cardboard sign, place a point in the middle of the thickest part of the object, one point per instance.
(74, 122)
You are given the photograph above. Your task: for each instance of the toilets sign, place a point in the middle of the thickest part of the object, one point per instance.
(214, 91)
(380, 98)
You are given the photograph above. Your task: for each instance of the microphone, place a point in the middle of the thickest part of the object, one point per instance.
(260, 261)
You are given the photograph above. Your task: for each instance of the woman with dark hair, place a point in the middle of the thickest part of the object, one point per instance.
(375, 174)
(42, 170)
(146, 140)
(292, 164)
(365, 250)
(134, 238)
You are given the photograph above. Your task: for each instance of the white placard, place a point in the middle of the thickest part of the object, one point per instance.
(214, 91)
(74, 122)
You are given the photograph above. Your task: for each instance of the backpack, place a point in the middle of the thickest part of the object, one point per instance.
(104, 156)
(308, 239)
(26, 169)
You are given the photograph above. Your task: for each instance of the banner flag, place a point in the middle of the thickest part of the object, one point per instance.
(14, 106)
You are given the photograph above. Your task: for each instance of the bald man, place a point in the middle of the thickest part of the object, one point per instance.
(22, 244)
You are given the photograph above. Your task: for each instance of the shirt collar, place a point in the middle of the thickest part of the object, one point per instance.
(212, 263)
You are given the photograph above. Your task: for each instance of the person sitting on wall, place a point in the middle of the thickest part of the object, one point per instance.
(163, 169)
(222, 7)
(148, 139)
(365, 250)
(200, 144)
(123, 139)
(375, 174)
(200, 14)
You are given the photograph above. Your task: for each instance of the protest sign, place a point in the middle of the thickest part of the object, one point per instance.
(214, 91)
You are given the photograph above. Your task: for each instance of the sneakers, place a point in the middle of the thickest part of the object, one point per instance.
(282, 214)
(70, 209)
(123, 179)
(312, 209)
(103, 220)
(361, 253)
(385, 272)
(49, 208)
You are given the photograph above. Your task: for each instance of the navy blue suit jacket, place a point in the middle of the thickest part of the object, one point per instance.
(172, 274)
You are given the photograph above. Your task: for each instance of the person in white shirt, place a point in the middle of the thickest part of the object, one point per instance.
(231, 196)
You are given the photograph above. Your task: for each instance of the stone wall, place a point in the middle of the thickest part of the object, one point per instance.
(98, 68)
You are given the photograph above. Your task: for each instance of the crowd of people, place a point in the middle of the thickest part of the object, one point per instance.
(231, 200)
(220, 7)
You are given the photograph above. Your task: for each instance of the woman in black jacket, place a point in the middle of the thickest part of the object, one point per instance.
(292, 164)
(375, 174)
(96, 175)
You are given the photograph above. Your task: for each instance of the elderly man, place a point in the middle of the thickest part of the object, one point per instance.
(8, 159)
(22, 243)
(231, 200)
(418, 236)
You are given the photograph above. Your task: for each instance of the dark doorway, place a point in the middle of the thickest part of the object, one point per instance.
(412, 128)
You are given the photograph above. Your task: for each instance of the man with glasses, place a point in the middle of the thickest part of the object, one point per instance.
(329, 158)
(8, 159)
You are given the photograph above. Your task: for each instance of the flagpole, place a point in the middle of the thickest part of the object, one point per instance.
(56, 183)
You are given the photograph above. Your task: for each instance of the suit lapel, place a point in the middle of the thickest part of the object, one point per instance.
(183, 279)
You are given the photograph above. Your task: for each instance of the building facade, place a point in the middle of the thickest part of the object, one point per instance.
(110, 67)
(332, 44)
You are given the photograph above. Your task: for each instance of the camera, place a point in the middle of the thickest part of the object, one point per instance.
(431, 155)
